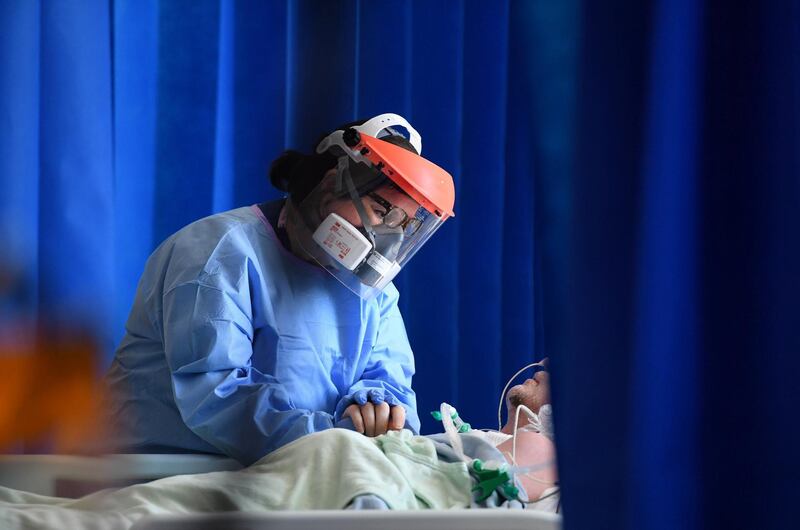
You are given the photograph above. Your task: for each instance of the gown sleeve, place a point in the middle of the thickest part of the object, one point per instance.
(388, 373)
(208, 333)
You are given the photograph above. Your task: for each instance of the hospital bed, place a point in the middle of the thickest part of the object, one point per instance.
(75, 476)
(485, 519)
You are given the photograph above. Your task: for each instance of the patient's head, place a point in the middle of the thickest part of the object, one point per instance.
(533, 393)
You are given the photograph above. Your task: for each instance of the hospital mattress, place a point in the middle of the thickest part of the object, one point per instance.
(485, 519)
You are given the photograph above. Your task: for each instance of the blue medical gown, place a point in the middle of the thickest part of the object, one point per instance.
(236, 346)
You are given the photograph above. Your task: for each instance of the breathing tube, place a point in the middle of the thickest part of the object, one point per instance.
(490, 475)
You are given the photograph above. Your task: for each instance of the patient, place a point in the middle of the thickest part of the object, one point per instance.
(534, 439)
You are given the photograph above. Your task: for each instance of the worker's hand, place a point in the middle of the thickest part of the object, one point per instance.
(373, 420)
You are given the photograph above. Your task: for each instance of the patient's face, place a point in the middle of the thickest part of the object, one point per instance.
(533, 393)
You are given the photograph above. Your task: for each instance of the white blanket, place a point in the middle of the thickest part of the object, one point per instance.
(326, 470)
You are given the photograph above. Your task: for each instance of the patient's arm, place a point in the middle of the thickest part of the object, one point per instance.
(533, 449)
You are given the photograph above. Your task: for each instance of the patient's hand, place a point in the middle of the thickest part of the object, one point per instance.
(373, 420)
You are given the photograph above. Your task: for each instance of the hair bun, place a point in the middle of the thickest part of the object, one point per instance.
(298, 174)
(284, 167)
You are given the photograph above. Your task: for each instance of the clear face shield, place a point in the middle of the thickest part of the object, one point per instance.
(362, 227)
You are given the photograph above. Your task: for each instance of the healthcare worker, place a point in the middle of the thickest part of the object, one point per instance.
(256, 326)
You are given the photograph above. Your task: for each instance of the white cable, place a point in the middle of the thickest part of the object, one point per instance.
(527, 470)
(529, 412)
(556, 492)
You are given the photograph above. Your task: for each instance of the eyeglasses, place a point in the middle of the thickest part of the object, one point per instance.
(394, 216)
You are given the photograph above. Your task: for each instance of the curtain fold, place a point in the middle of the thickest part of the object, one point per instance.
(675, 388)
(19, 157)
(141, 117)
(75, 166)
(665, 315)
(430, 280)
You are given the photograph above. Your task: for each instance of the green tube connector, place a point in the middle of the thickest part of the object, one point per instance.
(491, 479)
(511, 491)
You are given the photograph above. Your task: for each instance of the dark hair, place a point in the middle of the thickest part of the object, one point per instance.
(298, 173)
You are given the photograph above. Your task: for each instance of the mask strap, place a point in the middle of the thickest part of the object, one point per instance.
(343, 173)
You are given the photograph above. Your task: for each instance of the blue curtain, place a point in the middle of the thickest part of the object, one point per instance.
(133, 119)
(676, 386)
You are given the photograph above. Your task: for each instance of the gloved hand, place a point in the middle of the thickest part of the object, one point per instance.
(373, 420)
